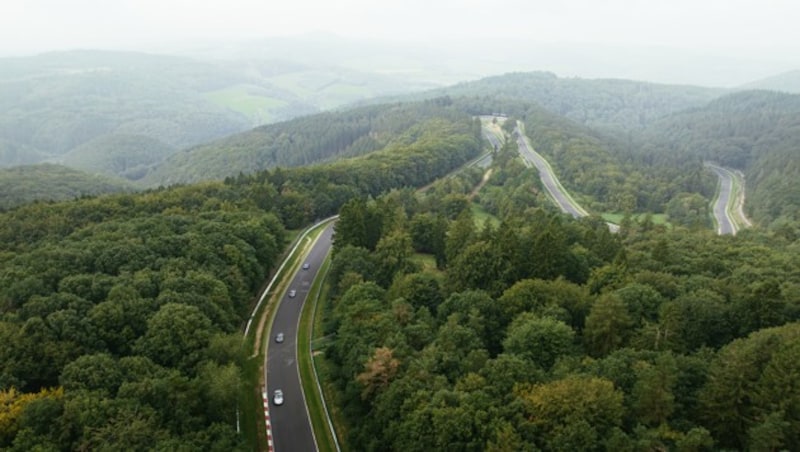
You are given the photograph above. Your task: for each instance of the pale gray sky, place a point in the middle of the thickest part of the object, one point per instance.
(36, 25)
(733, 28)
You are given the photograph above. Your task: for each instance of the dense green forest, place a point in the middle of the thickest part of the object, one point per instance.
(460, 319)
(540, 332)
(613, 180)
(757, 132)
(48, 182)
(301, 141)
(120, 315)
(126, 156)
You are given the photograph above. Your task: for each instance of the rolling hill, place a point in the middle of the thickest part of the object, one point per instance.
(127, 156)
(605, 104)
(48, 182)
(297, 142)
(55, 103)
(52, 103)
(788, 82)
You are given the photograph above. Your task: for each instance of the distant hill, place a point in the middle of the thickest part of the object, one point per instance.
(48, 182)
(606, 104)
(13, 153)
(127, 156)
(53, 103)
(788, 82)
(301, 141)
(757, 132)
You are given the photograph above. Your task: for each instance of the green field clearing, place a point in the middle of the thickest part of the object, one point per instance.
(308, 324)
(249, 100)
(304, 84)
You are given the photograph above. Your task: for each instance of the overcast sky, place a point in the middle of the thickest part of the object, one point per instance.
(738, 28)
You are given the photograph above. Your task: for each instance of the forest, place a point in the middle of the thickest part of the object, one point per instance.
(314, 139)
(461, 319)
(48, 182)
(753, 131)
(540, 332)
(302, 141)
(121, 315)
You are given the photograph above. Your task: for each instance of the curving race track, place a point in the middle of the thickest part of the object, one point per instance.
(289, 423)
(549, 179)
(724, 223)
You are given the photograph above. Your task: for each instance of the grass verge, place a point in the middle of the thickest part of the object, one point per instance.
(736, 205)
(251, 409)
(323, 367)
(316, 406)
(333, 397)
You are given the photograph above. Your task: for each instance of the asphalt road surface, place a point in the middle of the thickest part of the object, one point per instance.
(493, 141)
(484, 162)
(548, 178)
(291, 426)
(725, 225)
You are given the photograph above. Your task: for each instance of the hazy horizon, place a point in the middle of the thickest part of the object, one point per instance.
(712, 43)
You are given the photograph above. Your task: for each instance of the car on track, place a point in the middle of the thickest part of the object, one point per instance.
(279, 338)
(306, 266)
(292, 293)
(277, 397)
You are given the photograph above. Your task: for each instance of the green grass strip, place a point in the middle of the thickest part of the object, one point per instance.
(316, 405)
(736, 204)
(330, 393)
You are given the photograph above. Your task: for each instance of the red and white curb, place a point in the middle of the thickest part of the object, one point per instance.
(270, 444)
